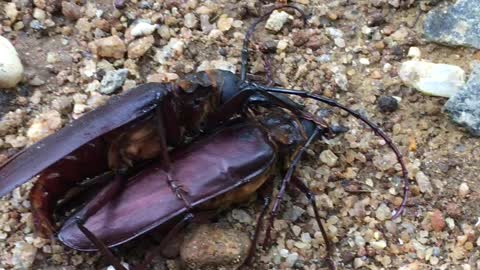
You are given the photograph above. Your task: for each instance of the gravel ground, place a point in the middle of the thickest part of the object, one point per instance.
(349, 50)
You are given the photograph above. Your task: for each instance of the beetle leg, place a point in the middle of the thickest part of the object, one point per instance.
(266, 194)
(103, 197)
(311, 197)
(102, 248)
(285, 181)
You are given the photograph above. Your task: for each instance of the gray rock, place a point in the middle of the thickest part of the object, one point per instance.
(455, 25)
(464, 107)
(113, 80)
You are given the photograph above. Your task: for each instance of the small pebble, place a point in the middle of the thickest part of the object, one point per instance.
(224, 23)
(378, 245)
(139, 47)
(71, 10)
(437, 220)
(328, 157)
(113, 80)
(142, 29)
(109, 47)
(424, 183)
(276, 20)
(383, 212)
(190, 20)
(463, 190)
(414, 52)
(387, 104)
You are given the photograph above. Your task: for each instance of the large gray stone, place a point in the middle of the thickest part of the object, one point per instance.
(456, 25)
(464, 107)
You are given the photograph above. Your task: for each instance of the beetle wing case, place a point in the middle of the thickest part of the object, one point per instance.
(118, 111)
(206, 169)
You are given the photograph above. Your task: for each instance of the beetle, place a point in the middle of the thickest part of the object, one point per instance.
(240, 158)
(139, 125)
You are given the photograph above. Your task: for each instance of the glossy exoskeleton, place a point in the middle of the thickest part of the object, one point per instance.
(217, 170)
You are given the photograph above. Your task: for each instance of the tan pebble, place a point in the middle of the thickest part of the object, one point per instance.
(11, 11)
(113, 47)
(376, 74)
(43, 125)
(139, 47)
(224, 23)
(71, 10)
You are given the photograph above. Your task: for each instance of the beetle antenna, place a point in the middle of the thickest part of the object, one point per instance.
(251, 30)
(374, 127)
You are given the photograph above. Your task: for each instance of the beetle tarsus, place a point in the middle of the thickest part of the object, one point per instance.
(101, 246)
(311, 198)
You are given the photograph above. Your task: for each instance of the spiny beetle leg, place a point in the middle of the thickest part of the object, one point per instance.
(285, 181)
(266, 193)
(106, 195)
(311, 197)
(102, 247)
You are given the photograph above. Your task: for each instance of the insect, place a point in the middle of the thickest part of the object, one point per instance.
(139, 126)
(217, 170)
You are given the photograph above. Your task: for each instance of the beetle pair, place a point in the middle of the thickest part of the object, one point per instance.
(121, 138)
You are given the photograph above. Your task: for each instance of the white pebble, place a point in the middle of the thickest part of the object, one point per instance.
(432, 79)
(414, 52)
(143, 29)
(463, 190)
(11, 68)
(276, 20)
(378, 245)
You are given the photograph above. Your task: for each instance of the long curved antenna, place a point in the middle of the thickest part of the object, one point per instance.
(375, 128)
(251, 30)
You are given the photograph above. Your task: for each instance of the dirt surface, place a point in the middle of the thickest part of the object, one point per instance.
(440, 227)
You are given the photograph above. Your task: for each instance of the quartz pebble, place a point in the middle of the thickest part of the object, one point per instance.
(224, 23)
(432, 79)
(43, 125)
(424, 183)
(276, 20)
(11, 68)
(113, 80)
(190, 20)
(328, 157)
(463, 190)
(142, 29)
